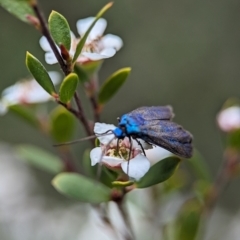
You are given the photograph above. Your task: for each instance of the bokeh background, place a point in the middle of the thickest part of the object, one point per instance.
(183, 53)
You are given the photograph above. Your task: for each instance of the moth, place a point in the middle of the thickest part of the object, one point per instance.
(154, 125)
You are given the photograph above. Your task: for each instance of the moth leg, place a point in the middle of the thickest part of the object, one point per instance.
(130, 153)
(139, 143)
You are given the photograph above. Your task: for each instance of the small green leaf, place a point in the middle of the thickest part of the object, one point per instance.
(40, 74)
(188, 220)
(68, 87)
(62, 124)
(159, 172)
(25, 113)
(112, 84)
(59, 29)
(40, 158)
(83, 189)
(18, 8)
(84, 37)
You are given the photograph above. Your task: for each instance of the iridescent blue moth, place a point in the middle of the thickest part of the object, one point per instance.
(154, 125)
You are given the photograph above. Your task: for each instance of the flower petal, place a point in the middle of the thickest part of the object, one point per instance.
(95, 155)
(137, 167)
(100, 128)
(112, 161)
(112, 41)
(44, 44)
(157, 153)
(50, 58)
(105, 53)
(97, 30)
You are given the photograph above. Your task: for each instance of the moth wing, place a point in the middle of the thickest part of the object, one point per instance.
(152, 113)
(170, 136)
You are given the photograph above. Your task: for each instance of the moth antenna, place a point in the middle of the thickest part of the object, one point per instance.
(83, 139)
(74, 141)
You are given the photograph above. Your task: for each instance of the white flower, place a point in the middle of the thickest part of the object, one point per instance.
(229, 119)
(26, 92)
(115, 155)
(97, 46)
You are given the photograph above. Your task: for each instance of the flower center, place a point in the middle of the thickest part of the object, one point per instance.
(120, 151)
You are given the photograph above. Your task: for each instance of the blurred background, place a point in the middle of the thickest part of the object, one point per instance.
(183, 53)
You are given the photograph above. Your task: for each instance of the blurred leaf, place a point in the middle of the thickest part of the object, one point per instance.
(78, 187)
(25, 113)
(18, 8)
(201, 189)
(176, 182)
(62, 124)
(40, 158)
(112, 84)
(188, 220)
(84, 37)
(198, 164)
(40, 74)
(59, 29)
(68, 87)
(159, 172)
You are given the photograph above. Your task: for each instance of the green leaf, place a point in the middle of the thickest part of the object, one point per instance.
(84, 37)
(188, 220)
(81, 188)
(18, 8)
(68, 87)
(112, 84)
(40, 74)
(159, 172)
(62, 124)
(59, 29)
(40, 158)
(25, 113)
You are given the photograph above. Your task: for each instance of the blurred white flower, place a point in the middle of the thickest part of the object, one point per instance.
(97, 46)
(26, 92)
(229, 119)
(116, 153)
